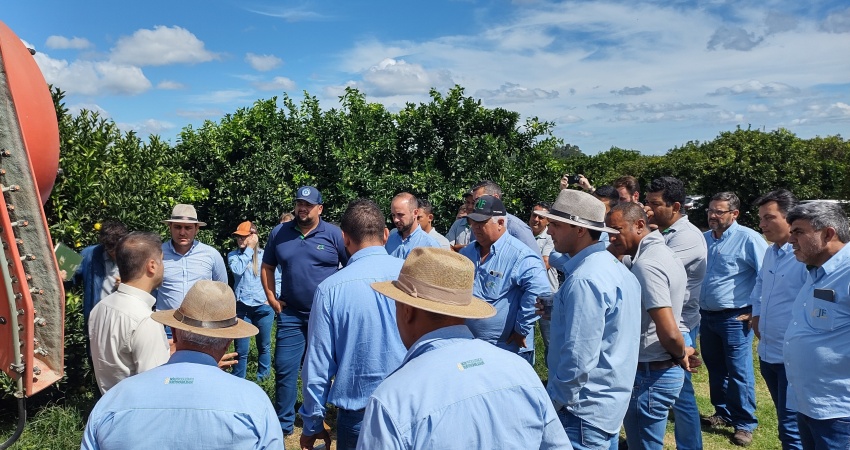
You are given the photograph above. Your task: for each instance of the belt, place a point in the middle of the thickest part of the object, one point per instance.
(744, 309)
(656, 365)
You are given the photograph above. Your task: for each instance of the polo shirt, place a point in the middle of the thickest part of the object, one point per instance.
(305, 261)
(401, 247)
(547, 247)
(686, 241)
(733, 262)
(460, 232)
(444, 243)
(181, 272)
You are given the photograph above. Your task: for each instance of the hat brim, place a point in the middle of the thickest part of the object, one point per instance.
(572, 222)
(476, 309)
(242, 329)
(241, 233)
(203, 224)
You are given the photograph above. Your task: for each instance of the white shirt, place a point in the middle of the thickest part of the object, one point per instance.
(444, 243)
(125, 340)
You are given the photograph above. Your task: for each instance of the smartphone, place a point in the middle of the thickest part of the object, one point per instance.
(825, 294)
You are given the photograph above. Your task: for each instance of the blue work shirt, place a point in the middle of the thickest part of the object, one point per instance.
(817, 342)
(401, 247)
(510, 279)
(777, 285)
(456, 392)
(246, 285)
(352, 337)
(594, 338)
(305, 261)
(733, 262)
(181, 272)
(187, 402)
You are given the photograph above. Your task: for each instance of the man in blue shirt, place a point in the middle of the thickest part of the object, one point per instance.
(407, 234)
(460, 233)
(817, 342)
(777, 285)
(186, 260)
(516, 226)
(98, 272)
(453, 391)
(734, 258)
(352, 340)
(593, 343)
(508, 275)
(308, 250)
(189, 402)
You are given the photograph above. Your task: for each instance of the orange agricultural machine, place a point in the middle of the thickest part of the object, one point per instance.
(32, 299)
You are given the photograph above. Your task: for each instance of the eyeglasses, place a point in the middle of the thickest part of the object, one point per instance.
(717, 212)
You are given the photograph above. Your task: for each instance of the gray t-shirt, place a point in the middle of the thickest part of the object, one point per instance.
(663, 282)
(544, 242)
(444, 243)
(688, 243)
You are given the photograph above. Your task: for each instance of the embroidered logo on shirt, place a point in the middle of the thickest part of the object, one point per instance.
(470, 364)
(820, 313)
(179, 380)
(320, 247)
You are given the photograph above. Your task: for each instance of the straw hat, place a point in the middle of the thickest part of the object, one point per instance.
(437, 280)
(209, 309)
(580, 209)
(183, 213)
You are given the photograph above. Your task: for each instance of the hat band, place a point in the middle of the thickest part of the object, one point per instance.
(180, 317)
(569, 216)
(438, 294)
(184, 218)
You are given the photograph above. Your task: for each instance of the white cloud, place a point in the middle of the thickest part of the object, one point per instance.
(394, 77)
(263, 63)
(226, 96)
(61, 42)
(146, 127)
(161, 46)
(170, 85)
(837, 22)
(92, 77)
(569, 118)
(757, 108)
(199, 113)
(290, 14)
(94, 107)
(649, 107)
(514, 93)
(733, 38)
(639, 90)
(771, 89)
(276, 84)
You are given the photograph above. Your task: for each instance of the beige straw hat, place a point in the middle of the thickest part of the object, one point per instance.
(183, 213)
(437, 280)
(209, 309)
(578, 208)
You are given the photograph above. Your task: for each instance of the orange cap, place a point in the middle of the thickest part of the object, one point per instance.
(245, 229)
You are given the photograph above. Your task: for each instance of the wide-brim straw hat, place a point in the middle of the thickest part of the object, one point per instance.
(439, 281)
(209, 309)
(183, 213)
(580, 209)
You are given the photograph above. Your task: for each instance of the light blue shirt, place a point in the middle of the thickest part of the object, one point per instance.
(594, 339)
(186, 403)
(460, 232)
(510, 279)
(247, 286)
(400, 248)
(733, 262)
(777, 285)
(201, 262)
(817, 343)
(456, 392)
(352, 337)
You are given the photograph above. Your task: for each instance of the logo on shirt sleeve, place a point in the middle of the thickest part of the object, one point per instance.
(179, 380)
(470, 364)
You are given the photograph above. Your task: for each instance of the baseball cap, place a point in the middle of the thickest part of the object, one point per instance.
(309, 194)
(486, 207)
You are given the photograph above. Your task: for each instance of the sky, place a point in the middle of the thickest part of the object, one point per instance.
(635, 74)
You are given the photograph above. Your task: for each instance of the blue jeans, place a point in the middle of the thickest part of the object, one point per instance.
(348, 428)
(288, 354)
(727, 350)
(777, 384)
(827, 434)
(687, 427)
(262, 316)
(583, 435)
(653, 394)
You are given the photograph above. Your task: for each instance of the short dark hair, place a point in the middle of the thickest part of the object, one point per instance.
(426, 206)
(545, 205)
(632, 212)
(607, 192)
(629, 182)
(785, 200)
(490, 188)
(734, 201)
(111, 231)
(672, 190)
(134, 251)
(820, 215)
(363, 221)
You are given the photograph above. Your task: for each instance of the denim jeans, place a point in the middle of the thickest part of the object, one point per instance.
(687, 427)
(262, 316)
(727, 350)
(653, 394)
(348, 428)
(777, 384)
(583, 435)
(288, 355)
(827, 434)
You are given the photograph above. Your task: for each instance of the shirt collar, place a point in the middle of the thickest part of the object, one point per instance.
(192, 356)
(574, 261)
(140, 294)
(173, 250)
(542, 234)
(430, 341)
(729, 231)
(495, 246)
(410, 236)
(368, 251)
(677, 225)
(783, 249)
(838, 261)
(650, 239)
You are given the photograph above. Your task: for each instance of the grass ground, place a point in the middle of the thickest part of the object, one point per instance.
(58, 424)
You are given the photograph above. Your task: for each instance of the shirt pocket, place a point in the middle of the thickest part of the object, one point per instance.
(821, 314)
(728, 262)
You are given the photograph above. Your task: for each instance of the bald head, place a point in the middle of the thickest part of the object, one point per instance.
(404, 210)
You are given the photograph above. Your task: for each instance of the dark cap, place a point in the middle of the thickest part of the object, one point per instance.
(486, 207)
(309, 194)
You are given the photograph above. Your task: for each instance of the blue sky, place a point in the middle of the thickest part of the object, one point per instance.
(646, 75)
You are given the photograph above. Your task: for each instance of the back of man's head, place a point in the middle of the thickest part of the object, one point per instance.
(425, 206)
(629, 182)
(133, 253)
(672, 190)
(490, 188)
(632, 212)
(363, 221)
(110, 233)
(607, 192)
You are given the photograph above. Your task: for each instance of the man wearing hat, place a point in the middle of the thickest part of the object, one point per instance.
(452, 390)
(516, 226)
(594, 336)
(508, 275)
(189, 402)
(186, 260)
(407, 234)
(308, 250)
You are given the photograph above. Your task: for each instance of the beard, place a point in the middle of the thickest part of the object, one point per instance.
(403, 229)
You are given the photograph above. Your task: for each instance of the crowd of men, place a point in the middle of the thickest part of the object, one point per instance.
(427, 341)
